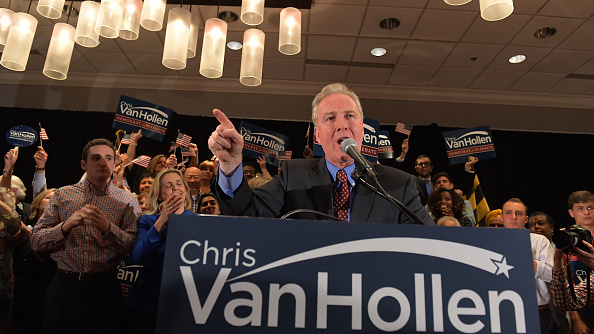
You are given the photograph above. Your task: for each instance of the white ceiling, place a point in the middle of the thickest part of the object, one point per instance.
(438, 53)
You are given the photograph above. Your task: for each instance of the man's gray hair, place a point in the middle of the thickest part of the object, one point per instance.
(334, 88)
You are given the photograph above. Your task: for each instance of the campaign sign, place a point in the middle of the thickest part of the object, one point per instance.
(369, 147)
(128, 272)
(251, 275)
(477, 142)
(133, 115)
(258, 141)
(384, 146)
(21, 136)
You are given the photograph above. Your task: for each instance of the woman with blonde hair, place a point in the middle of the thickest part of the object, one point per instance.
(169, 195)
(208, 171)
(39, 204)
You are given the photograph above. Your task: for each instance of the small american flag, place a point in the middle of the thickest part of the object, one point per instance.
(405, 129)
(187, 152)
(127, 139)
(142, 160)
(182, 163)
(172, 147)
(285, 155)
(43, 134)
(183, 140)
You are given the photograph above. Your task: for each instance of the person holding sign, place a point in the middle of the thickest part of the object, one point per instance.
(323, 185)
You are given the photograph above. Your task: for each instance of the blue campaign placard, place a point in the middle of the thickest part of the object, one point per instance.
(134, 114)
(21, 136)
(369, 146)
(258, 141)
(477, 142)
(250, 275)
(384, 146)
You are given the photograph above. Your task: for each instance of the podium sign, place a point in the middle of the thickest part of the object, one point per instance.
(250, 275)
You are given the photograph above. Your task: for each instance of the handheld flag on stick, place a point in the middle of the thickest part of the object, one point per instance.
(478, 201)
(284, 155)
(141, 160)
(172, 147)
(405, 129)
(187, 152)
(183, 140)
(42, 135)
(127, 139)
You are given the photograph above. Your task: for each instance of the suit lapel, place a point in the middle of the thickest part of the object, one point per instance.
(364, 198)
(320, 177)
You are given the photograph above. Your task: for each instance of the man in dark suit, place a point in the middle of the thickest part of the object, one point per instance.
(424, 167)
(315, 183)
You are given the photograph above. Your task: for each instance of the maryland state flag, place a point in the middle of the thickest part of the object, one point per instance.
(478, 201)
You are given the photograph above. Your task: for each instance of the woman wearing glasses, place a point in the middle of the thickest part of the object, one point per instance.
(168, 196)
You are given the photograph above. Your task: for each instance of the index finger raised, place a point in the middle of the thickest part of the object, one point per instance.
(222, 118)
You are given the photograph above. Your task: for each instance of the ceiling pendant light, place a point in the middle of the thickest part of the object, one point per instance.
(59, 53)
(177, 35)
(5, 22)
(19, 42)
(131, 20)
(289, 39)
(213, 48)
(456, 2)
(109, 20)
(193, 41)
(495, 10)
(52, 9)
(85, 34)
(153, 13)
(252, 57)
(252, 12)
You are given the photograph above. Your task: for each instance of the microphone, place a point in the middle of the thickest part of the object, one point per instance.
(349, 146)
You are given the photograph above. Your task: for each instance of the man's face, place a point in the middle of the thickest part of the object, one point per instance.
(99, 164)
(338, 118)
(583, 213)
(514, 215)
(443, 182)
(424, 167)
(193, 177)
(496, 222)
(540, 225)
(249, 172)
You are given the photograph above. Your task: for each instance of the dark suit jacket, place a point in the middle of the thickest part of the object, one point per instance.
(307, 184)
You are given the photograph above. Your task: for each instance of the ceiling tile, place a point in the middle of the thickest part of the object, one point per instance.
(471, 6)
(271, 47)
(587, 68)
(454, 77)
(533, 56)
(443, 24)
(412, 75)
(325, 73)
(581, 39)
(364, 45)
(340, 19)
(42, 37)
(78, 63)
(572, 86)
(425, 53)
(193, 66)
(109, 62)
(106, 45)
(331, 47)
(472, 55)
(537, 82)
(399, 3)
(526, 35)
(368, 75)
(150, 64)
(527, 7)
(495, 32)
(35, 63)
(147, 42)
(231, 69)
(496, 79)
(341, 2)
(563, 61)
(283, 69)
(568, 8)
(408, 18)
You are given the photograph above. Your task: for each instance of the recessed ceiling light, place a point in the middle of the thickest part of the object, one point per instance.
(228, 16)
(517, 59)
(545, 32)
(233, 45)
(389, 23)
(378, 52)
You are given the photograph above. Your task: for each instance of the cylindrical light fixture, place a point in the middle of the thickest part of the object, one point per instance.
(5, 22)
(59, 52)
(85, 28)
(52, 9)
(19, 41)
(175, 50)
(289, 37)
(193, 41)
(495, 10)
(252, 57)
(213, 48)
(153, 13)
(131, 21)
(252, 12)
(456, 2)
(109, 20)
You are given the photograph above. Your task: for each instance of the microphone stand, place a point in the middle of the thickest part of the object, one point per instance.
(358, 177)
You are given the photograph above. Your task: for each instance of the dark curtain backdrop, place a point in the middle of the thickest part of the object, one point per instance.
(542, 169)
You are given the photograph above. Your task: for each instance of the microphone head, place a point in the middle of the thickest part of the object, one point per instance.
(344, 145)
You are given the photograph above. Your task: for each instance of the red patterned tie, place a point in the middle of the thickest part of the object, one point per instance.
(341, 197)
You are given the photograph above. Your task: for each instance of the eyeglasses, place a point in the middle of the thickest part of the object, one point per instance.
(211, 202)
(423, 164)
(193, 177)
(169, 185)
